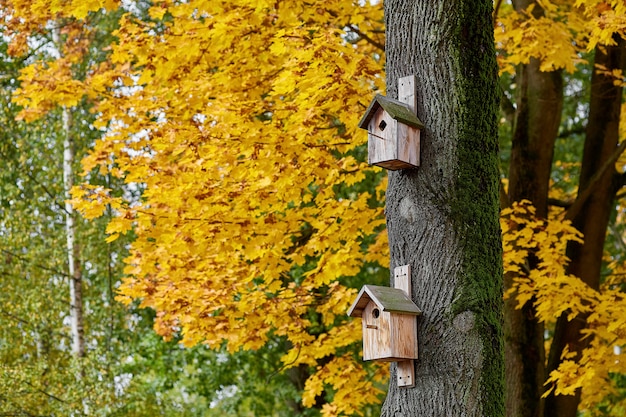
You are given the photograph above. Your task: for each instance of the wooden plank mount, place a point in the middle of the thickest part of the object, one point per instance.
(405, 369)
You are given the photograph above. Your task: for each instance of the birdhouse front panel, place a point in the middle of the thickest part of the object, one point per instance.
(381, 141)
(408, 145)
(404, 333)
(376, 333)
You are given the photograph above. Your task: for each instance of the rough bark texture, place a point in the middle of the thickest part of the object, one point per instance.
(537, 120)
(442, 218)
(592, 220)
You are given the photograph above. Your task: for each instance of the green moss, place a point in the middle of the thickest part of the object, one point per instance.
(475, 208)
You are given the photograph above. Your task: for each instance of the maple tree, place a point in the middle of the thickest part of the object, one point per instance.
(39, 375)
(224, 145)
(127, 369)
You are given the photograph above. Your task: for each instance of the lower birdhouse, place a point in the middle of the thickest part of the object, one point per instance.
(389, 319)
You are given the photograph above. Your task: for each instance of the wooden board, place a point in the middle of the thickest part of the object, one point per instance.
(405, 370)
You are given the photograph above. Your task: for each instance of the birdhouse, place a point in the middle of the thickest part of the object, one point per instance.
(389, 320)
(393, 140)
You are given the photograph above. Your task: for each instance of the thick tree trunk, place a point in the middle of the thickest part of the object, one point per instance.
(537, 120)
(442, 218)
(593, 216)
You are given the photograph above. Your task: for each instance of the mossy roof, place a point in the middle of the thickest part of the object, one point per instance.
(387, 299)
(396, 109)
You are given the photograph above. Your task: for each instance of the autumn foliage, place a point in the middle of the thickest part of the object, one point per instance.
(238, 121)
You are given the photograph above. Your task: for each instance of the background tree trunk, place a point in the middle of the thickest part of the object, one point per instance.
(75, 273)
(442, 218)
(74, 269)
(537, 120)
(593, 216)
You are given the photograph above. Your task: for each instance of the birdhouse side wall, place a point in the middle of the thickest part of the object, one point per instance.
(404, 336)
(408, 144)
(376, 333)
(381, 143)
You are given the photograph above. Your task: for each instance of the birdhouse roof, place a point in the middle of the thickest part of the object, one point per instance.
(387, 299)
(396, 109)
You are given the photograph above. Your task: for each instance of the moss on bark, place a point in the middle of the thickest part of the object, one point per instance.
(443, 217)
(475, 205)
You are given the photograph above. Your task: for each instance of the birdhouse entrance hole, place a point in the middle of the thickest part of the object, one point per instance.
(382, 125)
(375, 313)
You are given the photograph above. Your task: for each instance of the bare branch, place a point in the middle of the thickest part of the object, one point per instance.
(575, 208)
(368, 39)
(560, 203)
(29, 261)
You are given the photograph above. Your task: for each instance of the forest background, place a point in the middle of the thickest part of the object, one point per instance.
(228, 217)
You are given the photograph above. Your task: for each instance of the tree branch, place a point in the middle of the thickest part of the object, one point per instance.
(24, 259)
(31, 325)
(32, 178)
(507, 106)
(496, 9)
(47, 394)
(577, 130)
(575, 208)
(367, 38)
(504, 197)
(622, 180)
(560, 203)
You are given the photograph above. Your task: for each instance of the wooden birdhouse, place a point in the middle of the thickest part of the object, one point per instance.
(389, 323)
(389, 320)
(393, 128)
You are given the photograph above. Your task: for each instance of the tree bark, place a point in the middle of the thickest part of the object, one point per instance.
(592, 219)
(75, 272)
(442, 218)
(74, 267)
(537, 120)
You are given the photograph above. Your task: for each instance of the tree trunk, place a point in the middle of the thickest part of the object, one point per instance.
(74, 269)
(75, 273)
(593, 216)
(537, 120)
(442, 218)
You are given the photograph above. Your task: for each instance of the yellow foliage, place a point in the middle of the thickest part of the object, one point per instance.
(237, 119)
(349, 382)
(557, 32)
(554, 37)
(553, 292)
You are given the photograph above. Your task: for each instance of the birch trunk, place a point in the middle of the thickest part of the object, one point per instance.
(73, 250)
(75, 272)
(442, 218)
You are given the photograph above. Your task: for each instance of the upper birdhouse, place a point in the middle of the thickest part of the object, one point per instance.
(393, 134)
(389, 323)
